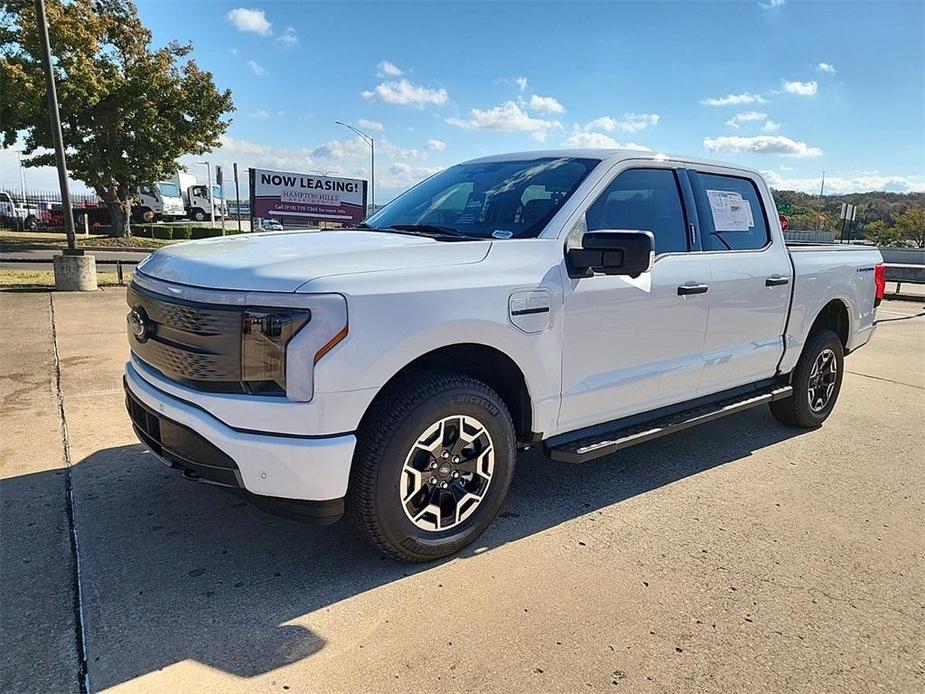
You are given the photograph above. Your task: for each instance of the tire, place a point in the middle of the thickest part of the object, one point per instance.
(430, 406)
(199, 215)
(797, 410)
(31, 223)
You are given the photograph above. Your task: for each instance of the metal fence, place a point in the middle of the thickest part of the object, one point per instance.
(38, 210)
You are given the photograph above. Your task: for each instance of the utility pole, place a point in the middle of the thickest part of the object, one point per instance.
(55, 119)
(372, 162)
(821, 191)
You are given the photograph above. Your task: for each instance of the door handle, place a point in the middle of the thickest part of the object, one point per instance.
(776, 281)
(692, 289)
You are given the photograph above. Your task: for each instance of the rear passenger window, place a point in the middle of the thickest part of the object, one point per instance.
(643, 200)
(730, 213)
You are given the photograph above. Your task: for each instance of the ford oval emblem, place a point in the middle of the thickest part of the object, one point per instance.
(139, 324)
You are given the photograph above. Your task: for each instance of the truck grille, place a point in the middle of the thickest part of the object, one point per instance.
(195, 344)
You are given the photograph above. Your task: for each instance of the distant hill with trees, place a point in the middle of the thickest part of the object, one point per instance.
(886, 218)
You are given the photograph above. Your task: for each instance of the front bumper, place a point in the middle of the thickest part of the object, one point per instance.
(277, 470)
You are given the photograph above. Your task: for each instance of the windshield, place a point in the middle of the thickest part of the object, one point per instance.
(169, 190)
(494, 199)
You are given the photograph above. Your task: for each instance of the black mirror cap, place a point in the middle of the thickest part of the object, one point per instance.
(612, 252)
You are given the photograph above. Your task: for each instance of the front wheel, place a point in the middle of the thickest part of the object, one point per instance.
(199, 215)
(434, 461)
(816, 382)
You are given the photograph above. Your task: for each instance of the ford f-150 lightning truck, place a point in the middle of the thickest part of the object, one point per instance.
(581, 300)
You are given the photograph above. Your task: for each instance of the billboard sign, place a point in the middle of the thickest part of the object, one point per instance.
(300, 198)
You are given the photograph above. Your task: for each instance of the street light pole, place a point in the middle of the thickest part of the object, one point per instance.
(55, 119)
(22, 177)
(372, 162)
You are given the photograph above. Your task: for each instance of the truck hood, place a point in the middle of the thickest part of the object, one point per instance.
(284, 261)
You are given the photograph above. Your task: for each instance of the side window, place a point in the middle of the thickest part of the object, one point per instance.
(644, 200)
(730, 213)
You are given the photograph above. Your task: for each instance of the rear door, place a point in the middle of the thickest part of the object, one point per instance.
(750, 278)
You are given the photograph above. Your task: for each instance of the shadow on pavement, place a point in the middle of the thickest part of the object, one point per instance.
(174, 570)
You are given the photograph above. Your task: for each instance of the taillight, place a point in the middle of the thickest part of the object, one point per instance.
(880, 282)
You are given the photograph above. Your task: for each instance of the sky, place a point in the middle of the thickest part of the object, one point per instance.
(787, 87)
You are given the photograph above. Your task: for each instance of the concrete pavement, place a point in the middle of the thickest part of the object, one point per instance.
(742, 555)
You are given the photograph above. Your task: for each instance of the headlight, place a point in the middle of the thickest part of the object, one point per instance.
(280, 346)
(264, 337)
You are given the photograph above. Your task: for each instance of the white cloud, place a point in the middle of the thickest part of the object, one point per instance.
(521, 83)
(770, 126)
(771, 4)
(256, 68)
(437, 145)
(761, 144)
(595, 140)
(288, 37)
(404, 93)
(548, 104)
(260, 114)
(841, 185)
(508, 117)
(38, 178)
(800, 88)
(630, 123)
(253, 21)
(389, 69)
(745, 116)
(371, 125)
(826, 67)
(734, 99)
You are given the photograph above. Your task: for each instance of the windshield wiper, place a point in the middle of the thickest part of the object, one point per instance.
(431, 230)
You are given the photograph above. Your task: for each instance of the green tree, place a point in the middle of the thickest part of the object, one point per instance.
(805, 219)
(881, 233)
(128, 111)
(911, 225)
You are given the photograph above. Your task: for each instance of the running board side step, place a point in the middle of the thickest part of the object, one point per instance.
(591, 447)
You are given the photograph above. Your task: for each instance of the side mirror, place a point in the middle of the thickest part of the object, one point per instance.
(612, 252)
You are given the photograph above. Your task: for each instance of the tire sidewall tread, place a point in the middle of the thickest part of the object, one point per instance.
(795, 410)
(383, 440)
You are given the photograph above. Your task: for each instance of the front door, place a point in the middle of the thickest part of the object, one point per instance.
(632, 345)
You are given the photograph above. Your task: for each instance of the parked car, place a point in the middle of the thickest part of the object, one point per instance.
(582, 300)
(268, 224)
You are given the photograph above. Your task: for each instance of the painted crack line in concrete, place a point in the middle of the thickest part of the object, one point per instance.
(80, 636)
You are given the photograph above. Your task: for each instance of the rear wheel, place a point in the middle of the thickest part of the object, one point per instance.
(434, 462)
(816, 382)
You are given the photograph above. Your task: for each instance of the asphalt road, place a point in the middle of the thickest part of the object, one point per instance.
(740, 556)
(39, 259)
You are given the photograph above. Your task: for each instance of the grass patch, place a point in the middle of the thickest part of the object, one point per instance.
(24, 241)
(46, 278)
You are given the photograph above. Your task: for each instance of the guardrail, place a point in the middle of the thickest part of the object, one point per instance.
(904, 265)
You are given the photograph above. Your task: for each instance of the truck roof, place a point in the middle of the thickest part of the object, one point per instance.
(607, 154)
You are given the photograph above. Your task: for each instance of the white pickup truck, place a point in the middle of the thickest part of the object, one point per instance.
(585, 300)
